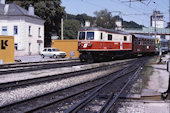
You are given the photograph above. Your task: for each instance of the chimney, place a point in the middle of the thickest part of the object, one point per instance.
(31, 10)
(87, 23)
(2, 1)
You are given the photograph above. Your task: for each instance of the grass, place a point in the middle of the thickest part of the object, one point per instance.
(144, 76)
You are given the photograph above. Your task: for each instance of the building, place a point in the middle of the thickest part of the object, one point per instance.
(161, 33)
(158, 19)
(24, 25)
(157, 27)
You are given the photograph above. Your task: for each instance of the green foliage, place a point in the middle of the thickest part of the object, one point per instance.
(104, 19)
(70, 29)
(80, 17)
(131, 24)
(49, 10)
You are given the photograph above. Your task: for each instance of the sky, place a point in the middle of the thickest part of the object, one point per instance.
(139, 12)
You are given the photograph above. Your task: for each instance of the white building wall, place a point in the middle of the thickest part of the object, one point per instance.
(22, 38)
(34, 46)
(159, 24)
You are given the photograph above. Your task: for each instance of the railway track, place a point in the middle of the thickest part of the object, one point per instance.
(26, 67)
(103, 98)
(33, 81)
(27, 64)
(69, 94)
(81, 89)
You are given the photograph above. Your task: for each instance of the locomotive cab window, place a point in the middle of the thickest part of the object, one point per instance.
(82, 36)
(90, 35)
(109, 37)
(125, 38)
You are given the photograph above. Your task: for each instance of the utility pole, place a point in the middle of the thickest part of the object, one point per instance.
(62, 37)
(169, 14)
(154, 12)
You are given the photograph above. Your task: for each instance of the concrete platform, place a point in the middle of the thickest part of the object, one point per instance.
(159, 79)
(150, 101)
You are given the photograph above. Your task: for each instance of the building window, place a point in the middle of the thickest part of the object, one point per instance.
(109, 37)
(4, 30)
(39, 29)
(15, 30)
(16, 46)
(29, 31)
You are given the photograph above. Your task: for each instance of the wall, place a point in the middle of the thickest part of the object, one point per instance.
(67, 46)
(22, 38)
(7, 49)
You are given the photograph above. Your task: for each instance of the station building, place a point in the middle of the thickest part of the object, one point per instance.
(24, 25)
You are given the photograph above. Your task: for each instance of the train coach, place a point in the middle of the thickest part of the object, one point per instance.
(164, 45)
(105, 44)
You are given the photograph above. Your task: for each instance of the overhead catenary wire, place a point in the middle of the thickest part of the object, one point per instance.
(139, 12)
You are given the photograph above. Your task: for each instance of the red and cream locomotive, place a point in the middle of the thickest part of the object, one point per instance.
(98, 44)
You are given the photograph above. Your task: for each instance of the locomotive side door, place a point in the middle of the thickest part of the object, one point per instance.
(101, 40)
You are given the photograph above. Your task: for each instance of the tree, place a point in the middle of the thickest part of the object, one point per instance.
(104, 19)
(131, 24)
(49, 10)
(70, 29)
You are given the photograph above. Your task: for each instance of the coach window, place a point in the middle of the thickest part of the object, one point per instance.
(147, 42)
(125, 38)
(109, 37)
(82, 36)
(135, 40)
(139, 42)
(90, 35)
(144, 42)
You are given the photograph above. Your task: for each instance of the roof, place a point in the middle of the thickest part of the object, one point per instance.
(143, 36)
(150, 30)
(163, 40)
(15, 10)
(104, 29)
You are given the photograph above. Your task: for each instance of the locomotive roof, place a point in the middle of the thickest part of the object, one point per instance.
(103, 29)
(143, 36)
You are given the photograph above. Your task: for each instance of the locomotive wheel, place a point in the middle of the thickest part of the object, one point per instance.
(82, 58)
(90, 59)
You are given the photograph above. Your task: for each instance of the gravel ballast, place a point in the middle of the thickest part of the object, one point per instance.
(49, 72)
(15, 95)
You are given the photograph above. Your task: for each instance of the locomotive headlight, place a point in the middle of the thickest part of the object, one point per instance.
(90, 44)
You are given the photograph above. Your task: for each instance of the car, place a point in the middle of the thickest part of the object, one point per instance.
(52, 53)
